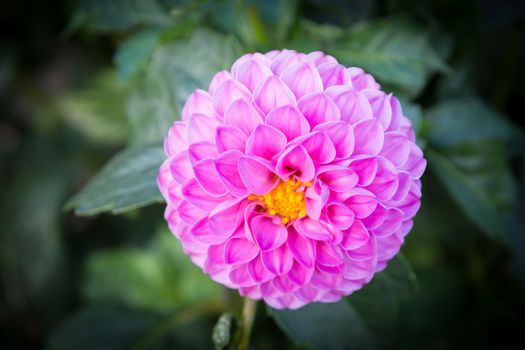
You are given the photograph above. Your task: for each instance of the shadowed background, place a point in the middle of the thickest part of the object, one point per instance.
(86, 260)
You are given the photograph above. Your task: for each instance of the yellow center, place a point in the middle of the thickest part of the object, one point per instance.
(285, 200)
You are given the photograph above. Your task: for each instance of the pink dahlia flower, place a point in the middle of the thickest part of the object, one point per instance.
(292, 179)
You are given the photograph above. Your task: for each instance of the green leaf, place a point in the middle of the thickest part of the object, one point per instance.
(97, 110)
(465, 120)
(325, 326)
(118, 15)
(379, 302)
(103, 329)
(134, 52)
(470, 159)
(175, 71)
(480, 182)
(126, 182)
(160, 277)
(396, 51)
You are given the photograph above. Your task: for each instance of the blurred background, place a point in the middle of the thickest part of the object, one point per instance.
(86, 261)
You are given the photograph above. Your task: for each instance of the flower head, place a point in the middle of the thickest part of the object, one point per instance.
(293, 178)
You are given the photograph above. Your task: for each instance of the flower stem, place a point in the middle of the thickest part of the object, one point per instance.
(249, 309)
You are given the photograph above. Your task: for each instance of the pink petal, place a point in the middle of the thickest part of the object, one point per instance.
(199, 102)
(201, 128)
(202, 232)
(300, 274)
(189, 213)
(340, 215)
(366, 170)
(253, 209)
(190, 244)
(361, 80)
(314, 201)
(180, 168)
(283, 60)
(353, 104)
(369, 137)
(336, 269)
(397, 114)
(272, 54)
(265, 142)
(392, 223)
(301, 247)
(289, 121)
(176, 140)
(270, 294)
(356, 236)
(388, 247)
(302, 78)
(377, 218)
(411, 203)
(296, 161)
(197, 196)
(208, 178)
(226, 217)
(252, 292)
(217, 80)
(326, 255)
(257, 176)
(285, 284)
(312, 229)
(334, 74)
(355, 270)
(239, 251)
(256, 56)
(319, 57)
(251, 72)
(228, 137)
(361, 205)
(307, 293)
(325, 281)
(342, 136)
(201, 150)
(165, 179)
(318, 108)
(242, 115)
(227, 92)
(338, 178)
(272, 93)
(227, 165)
(364, 252)
(381, 108)
(406, 227)
(319, 147)
(240, 276)
(257, 271)
(278, 261)
(386, 182)
(404, 186)
(396, 148)
(349, 286)
(214, 259)
(268, 232)
(415, 164)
